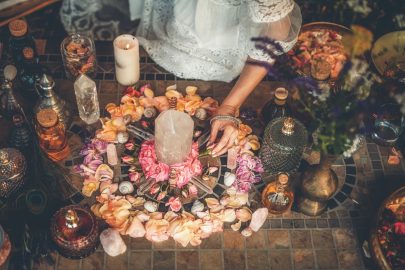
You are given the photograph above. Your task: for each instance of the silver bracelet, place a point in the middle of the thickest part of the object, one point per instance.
(233, 119)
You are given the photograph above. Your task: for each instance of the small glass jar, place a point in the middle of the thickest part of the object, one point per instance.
(79, 56)
(19, 39)
(5, 246)
(52, 135)
(277, 196)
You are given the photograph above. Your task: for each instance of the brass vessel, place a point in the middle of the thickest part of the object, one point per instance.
(319, 183)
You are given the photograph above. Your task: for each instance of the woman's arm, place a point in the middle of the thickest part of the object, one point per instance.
(249, 78)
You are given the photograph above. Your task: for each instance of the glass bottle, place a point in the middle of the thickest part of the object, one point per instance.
(51, 135)
(19, 39)
(277, 196)
(87, 99)
(79, 56)
(276, 107)
(5, 246)
(20, 137)
(49, 99)
(30, 72)
(9, 103)
(283, 145)
(74, 229)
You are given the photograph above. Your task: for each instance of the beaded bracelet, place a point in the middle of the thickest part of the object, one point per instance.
(233, 119)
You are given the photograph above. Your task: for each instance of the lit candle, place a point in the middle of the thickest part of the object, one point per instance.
(126, 53)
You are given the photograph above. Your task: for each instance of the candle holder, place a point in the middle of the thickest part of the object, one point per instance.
(79, 56)
(75, 232)
(126, 53)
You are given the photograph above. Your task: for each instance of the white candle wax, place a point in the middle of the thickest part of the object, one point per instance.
(126, 54)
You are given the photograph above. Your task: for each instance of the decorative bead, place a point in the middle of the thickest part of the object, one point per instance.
(126, 187)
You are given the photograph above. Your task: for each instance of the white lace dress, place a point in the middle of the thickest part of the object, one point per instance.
(209, 39)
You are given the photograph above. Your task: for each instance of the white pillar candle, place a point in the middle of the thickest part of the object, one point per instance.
(126, 54)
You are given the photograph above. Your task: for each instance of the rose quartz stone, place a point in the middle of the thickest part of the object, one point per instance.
(112, 242)
(258, 219)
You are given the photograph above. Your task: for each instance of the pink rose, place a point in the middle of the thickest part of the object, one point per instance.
(399, 228)
(134, 176)
(174, 203)
(192, 190)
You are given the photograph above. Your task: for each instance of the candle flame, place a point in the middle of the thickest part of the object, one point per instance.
(126, 46)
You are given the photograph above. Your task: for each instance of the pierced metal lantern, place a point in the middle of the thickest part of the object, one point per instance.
(75, 231)
(12, 171)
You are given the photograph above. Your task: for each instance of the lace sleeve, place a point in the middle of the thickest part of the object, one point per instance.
(279, 20)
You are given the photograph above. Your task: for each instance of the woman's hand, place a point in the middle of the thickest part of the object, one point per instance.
(229, 128)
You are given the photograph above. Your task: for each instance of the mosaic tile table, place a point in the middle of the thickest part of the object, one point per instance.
(291, 241)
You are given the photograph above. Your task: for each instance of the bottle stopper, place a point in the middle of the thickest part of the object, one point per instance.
(281, 95)
(47, 118)
(18, 27)
(10, 72)
(288, 126)
(282, 178)
(28, 53)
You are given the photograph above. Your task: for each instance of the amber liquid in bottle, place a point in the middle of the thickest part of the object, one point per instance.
(276, 107)
(277, 196)
(51, 134)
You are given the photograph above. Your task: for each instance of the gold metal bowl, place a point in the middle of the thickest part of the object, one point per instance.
(345, 32)
(375, 247)
(388, 50)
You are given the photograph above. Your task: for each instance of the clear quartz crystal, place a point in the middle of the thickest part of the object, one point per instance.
(173, 136)
(87, 99)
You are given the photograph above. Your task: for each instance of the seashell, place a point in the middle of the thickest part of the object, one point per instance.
(236, 226)
(191, 90)
(150, 206)
(149, 112)
(197, 207)
(229, 215)
(147, 92)
(112, 156)
(229, 179)
(126, 187)
(104, 173)
(173, 93)
(243, 214)
(247, 232)
(201, 114)
(122, 137)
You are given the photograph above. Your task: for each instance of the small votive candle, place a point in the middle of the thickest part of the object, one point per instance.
(126, 53)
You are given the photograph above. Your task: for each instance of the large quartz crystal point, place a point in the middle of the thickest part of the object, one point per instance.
(173, 136)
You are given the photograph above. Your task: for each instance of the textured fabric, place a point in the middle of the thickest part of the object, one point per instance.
(203, 39)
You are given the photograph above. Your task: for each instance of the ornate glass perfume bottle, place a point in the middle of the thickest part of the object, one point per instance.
(87, 99)
(74, 229)
(277, 196)
(48, 99)
(276, 107)
(9, 103)
(283, 145)
(51, 135)
(20, 137)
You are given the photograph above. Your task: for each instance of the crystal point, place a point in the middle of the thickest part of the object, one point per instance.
(173, 136)
(87, 99)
